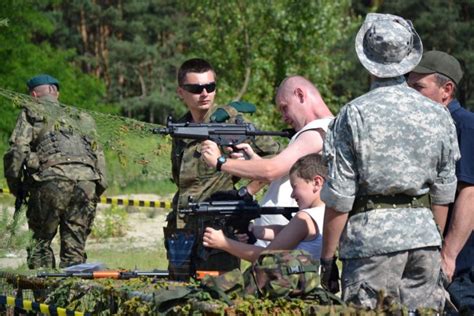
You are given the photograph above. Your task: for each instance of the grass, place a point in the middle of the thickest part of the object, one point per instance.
(142, 259)
(14, 238)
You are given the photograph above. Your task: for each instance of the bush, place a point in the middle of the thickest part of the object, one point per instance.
(15, 238)
(111, 222)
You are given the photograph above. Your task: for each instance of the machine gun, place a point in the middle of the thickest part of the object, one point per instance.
(223, 134)
(105, 274)
(234, 215)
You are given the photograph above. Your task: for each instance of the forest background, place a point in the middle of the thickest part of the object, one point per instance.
(121, 57)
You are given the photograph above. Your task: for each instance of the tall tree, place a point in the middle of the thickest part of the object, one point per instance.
(446, 26)
(133, 46)
(25, 52)
(442, 25)
(255, 44)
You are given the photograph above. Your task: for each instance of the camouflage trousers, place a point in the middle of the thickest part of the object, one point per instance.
(412, 278)
(68, 205)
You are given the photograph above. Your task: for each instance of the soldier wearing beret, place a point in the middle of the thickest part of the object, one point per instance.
(391, 157)
(437, 77)
(55, 159)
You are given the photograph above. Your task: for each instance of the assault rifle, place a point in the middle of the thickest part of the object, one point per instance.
(223, 134)
(109, 274)
(234, 215)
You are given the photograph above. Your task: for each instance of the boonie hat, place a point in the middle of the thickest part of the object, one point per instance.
(440, 62)
(388, 45)
(41, 80)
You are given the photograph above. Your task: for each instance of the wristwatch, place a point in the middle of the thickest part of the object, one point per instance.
(220, 161)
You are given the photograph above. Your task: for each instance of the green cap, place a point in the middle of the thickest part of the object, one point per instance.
(41, 80)
(442, 63)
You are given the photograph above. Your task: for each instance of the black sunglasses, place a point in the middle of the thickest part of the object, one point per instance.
(198, 88)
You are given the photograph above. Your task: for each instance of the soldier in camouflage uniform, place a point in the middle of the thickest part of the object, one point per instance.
(62, 170)
(391, 157)
(197, 89)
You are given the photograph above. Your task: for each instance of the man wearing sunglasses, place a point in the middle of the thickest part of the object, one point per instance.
(197, 89)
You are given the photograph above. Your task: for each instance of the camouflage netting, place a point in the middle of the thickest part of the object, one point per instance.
(147, 296)
(130, 146)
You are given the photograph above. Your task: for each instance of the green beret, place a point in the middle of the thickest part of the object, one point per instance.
(221, 115)
(41, 80)
(243, 107)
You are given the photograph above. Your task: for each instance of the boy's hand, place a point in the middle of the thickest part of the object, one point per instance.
(213, 238)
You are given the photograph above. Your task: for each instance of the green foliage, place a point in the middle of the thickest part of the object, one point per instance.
(25, 52)
(442, 25)
(255, 44)
(111, 222)
(136, 158)
(14, 238)
(445, 26)
(124, 257)
(133, 46)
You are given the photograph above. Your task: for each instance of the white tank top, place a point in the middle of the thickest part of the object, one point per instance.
(315, 245)
(279, 192)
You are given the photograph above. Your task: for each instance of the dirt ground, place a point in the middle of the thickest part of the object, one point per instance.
(144, 230)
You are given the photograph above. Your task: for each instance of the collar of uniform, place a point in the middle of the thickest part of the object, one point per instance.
(453, 106)
(385, 82)
(187, 117)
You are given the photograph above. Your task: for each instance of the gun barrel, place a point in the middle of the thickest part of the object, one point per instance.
(53, 274)
(272, 133)
(161, 130)
(157, 273)
(236, 207)
(106, 274)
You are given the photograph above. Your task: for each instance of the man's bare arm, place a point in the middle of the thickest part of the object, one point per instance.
(440, 213)
(460, 228)
(334, 223)
(266, 169)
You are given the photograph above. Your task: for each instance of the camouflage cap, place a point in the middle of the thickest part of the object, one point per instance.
(442, 63)
(388, 45)
(41, 80)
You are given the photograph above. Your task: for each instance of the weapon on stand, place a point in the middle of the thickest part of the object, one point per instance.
(106, 274)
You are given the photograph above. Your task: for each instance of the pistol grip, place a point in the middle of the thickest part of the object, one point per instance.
(252, 238)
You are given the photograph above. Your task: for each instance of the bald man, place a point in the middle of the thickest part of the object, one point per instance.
(302, 107)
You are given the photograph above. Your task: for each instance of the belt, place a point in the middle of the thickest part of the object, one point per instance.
(367, 203)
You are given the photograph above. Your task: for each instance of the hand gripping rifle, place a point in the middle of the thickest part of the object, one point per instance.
(223, 134)
(234, 216)
(106, 274)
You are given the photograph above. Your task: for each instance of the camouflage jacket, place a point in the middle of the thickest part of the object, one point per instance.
(390, 140)
(54, 142)
(192, 175)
